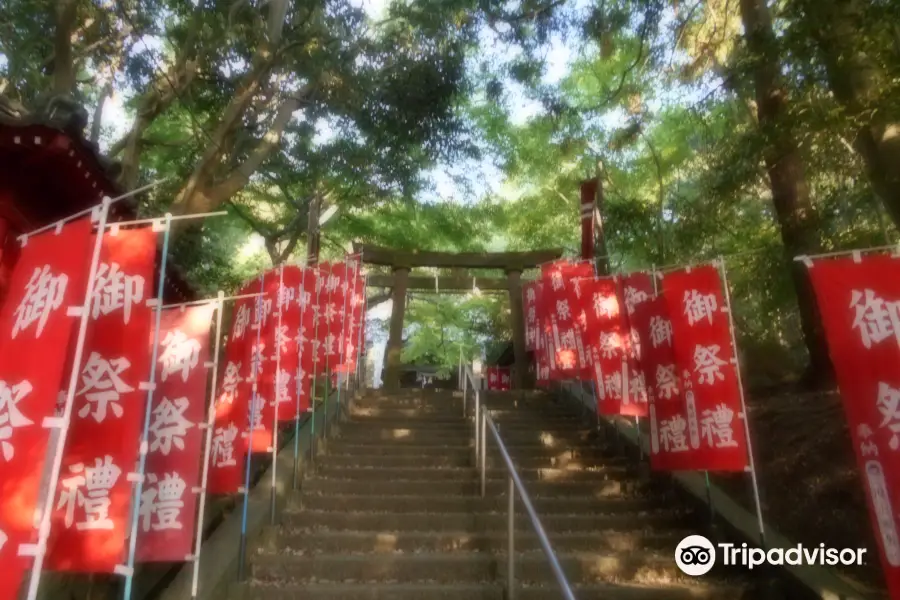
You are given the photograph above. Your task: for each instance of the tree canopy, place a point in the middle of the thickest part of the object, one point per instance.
(752, 130)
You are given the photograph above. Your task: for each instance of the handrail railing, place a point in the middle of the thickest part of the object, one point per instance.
(483, 422)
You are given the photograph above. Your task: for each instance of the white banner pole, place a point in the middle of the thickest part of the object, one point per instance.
(144, 447)
(746, 418)
(210, 425)
(278, 299)
(40, 549)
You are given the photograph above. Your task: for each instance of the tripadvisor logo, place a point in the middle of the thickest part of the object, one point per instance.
(696, 555)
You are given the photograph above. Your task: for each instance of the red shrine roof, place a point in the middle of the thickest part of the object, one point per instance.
(49, 171)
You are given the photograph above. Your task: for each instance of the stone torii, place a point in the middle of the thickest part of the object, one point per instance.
(402, 261)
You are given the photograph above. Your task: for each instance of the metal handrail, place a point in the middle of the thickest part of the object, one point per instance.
(483, 422)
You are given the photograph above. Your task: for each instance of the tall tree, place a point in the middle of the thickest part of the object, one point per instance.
(790, 193)
(859, 46)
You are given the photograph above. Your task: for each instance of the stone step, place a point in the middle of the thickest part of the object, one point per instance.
(531, 567)
(316, 520)
(407, 459)
(450, 424)
(493, 487)
(258, 590)
(535, 454)
(342, 447)
(436, 504)
(465, 458)
(378, 473)
(306, 542)
(361, 433)
(395, 415)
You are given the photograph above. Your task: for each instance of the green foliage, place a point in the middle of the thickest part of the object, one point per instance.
(438, 327)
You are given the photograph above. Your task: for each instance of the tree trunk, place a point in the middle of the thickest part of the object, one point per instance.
(97, 120)
(852, 78)
(63, 63)
(790, 194)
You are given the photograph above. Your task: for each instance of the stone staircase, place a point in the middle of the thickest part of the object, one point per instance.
(393, 511)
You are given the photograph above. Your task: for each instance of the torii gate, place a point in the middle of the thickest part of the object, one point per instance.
(401, 261)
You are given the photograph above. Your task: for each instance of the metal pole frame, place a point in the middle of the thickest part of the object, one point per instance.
(510, 542)
(210, 425)
(327, 375)
(483, 448)
(256, 366)
(477, 419)
(360, 342)
(313, 440)
(296, 478)
(40, 549)
(278, 298)
(737, 369)
(148, 410)
(343, 345)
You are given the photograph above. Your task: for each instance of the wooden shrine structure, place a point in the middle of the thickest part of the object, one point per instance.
(48, 170)
(401, 262)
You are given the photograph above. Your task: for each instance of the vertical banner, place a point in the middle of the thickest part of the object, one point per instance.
(568, 356)
(634, 289)
(860, 307)
(166, 516)
(226, 459)
(579, 303)
(332, 314)
(287, 340)
(529, 290)
(35, 332)
(93, 498)
(306, 347)
(669, 446)
(606, 338)
(703, 351)
(498, 378)
(320, 325)
(261, 374)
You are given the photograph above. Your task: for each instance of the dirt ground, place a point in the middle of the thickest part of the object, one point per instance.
(810, 486)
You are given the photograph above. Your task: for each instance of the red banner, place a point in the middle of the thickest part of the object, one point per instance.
(308, 303)
(93, 499)
(50, 276)
(633, 289)
(262, 366)
(166, 517)
(287, 382)
(860, 307)
(704, 354)
(669, 447)
(226, 459)
(606, 339)
(498, 378)
(529, 291)
(568, 357)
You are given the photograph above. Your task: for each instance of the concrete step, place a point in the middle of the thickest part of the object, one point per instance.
(343, 447)
(494, 487)
(404, 460)
(305, 542)
(361, 433)
(436, 504)
(372, 414)
(317, 520)
(531, 567)
(464, 457)
(449, 424)
(258, 590)
(378, 473)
